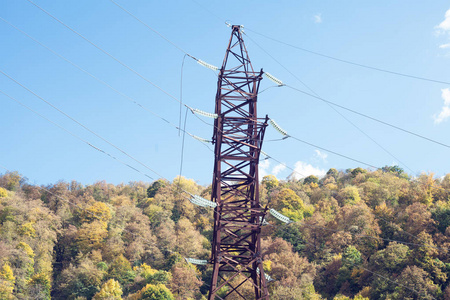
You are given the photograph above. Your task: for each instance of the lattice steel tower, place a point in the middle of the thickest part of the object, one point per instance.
(238, 136)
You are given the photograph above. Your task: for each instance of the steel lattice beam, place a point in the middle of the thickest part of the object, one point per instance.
(238, 137)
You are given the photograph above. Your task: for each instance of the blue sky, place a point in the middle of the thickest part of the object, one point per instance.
(411, 37)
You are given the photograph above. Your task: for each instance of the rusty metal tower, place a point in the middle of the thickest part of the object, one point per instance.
(238, 136)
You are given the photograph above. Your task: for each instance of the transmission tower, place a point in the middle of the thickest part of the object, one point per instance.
(238, 135)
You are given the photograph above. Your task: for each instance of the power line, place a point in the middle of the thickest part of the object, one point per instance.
(100, 80)
(344, 117)
(104, 51)
(333, 152)
(172, 43)
(369, 117)
(110, 54)
(314, 95)
(331, 103)
(152, 29)
(350, 62)
(122, 94)
(75, 136)
(78, 123)
(85, 71)
(86, 128)
(107, 53)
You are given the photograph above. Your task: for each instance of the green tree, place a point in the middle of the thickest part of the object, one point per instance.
(393, 169)
(311, 179)
(120, 270)
(155, 187)
(390, 260)
(40, 286)
(153, 276)
(415, 284)
(441, 215)
(156, 292)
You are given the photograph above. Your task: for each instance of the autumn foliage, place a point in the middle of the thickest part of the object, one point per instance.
(357, 234)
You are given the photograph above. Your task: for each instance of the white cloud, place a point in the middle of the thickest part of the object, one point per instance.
(444, 46)
(263, 168)
(303, 169)
(445, 111)
(321, 155)
(318, 18)
(277, 169)
(445, 25)
(446, 96)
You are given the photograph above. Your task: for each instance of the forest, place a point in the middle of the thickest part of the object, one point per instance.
(355, 234)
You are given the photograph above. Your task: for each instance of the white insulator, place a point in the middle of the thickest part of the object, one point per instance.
(204, 113)
(195, 261)
(268, 278)
(264, 222)
(279, 216)
(278, 128)
(273, 78)
(201, 139)
(209, 66)
(197, 200)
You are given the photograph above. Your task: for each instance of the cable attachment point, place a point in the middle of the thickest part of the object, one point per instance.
(278, 128)
(274, 79)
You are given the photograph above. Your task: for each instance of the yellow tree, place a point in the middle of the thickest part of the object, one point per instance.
(111, 290)
(7, 281)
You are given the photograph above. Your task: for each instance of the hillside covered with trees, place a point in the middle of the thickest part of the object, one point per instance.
(357, 234)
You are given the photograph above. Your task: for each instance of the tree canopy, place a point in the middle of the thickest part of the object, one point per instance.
(356, 234)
